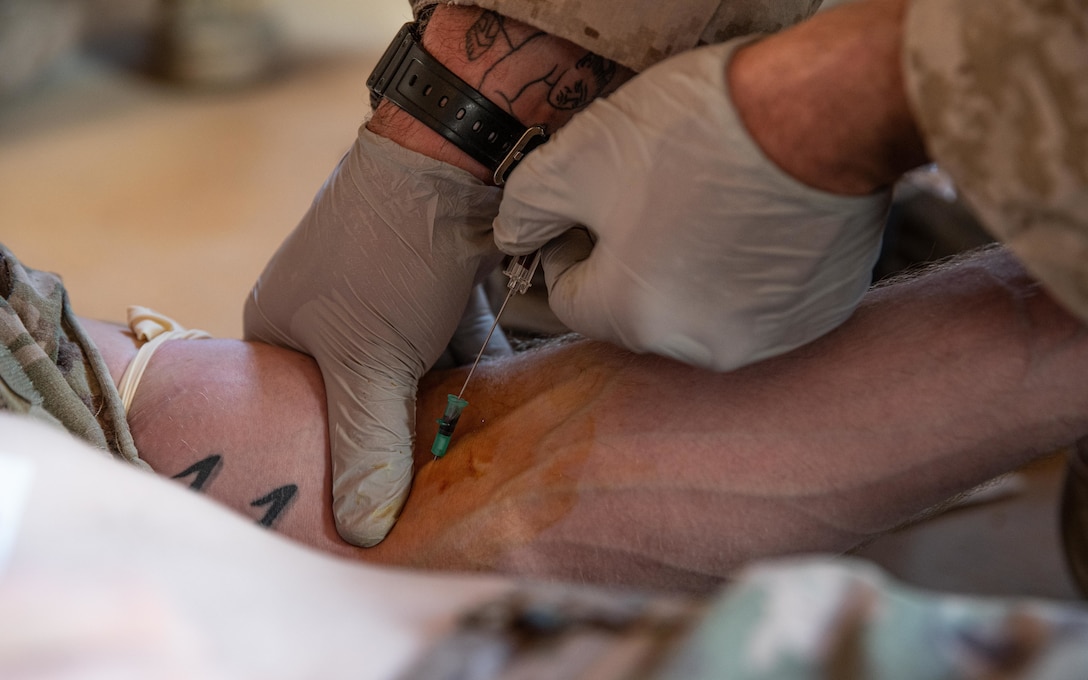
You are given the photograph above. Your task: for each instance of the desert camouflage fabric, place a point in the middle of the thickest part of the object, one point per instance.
(640, 33)
(49, 368)
(1000, 89)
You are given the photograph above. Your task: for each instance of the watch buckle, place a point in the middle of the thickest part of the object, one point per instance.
(533, 137)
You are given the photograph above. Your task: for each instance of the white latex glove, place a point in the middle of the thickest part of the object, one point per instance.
(702, 249)
(373, 284)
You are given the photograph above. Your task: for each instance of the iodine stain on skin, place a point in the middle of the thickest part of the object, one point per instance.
(506, 479)
(532, 484)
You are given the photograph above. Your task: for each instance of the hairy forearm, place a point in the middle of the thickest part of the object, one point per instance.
(634, 469)
(585, 462)
(825, 99)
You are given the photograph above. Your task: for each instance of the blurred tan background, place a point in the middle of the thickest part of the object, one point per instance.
(139, 190)
(142, 190)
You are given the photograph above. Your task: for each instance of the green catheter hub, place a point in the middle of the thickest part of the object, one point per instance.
(448, 421)
(520, 271)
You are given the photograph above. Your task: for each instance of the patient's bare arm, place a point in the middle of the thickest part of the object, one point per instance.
(585, 462)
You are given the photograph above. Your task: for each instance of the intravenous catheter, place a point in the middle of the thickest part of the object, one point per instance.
(520, 272)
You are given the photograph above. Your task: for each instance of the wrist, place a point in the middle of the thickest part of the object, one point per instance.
(530, 77)
(397, 125)
(394, 123)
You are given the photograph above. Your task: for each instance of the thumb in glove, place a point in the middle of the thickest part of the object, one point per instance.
(373, 284)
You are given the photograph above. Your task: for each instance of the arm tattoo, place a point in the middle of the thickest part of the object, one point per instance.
(204, 471)
(482, 35)
(277, 500)
(524, 69)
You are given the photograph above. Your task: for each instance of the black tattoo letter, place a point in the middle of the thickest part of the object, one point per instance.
(204, 470)
(278, 499)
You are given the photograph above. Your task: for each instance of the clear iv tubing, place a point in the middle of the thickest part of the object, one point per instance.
(520, 272)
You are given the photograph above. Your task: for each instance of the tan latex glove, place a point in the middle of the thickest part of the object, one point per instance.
(698, 247)
(373, 284)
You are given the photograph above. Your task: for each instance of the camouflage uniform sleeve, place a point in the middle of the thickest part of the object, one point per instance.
(1000, 91)
(640, 33)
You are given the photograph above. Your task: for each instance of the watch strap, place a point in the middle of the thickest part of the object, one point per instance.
(411, 78)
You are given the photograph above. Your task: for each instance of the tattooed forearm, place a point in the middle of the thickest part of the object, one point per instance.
(528, 69)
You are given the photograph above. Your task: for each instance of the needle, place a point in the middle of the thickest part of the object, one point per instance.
(480, 355)
(520, 271)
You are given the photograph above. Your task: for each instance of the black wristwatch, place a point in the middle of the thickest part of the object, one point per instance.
(414, 80)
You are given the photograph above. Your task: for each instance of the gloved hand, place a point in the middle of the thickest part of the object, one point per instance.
(698, 247)
(372, 284)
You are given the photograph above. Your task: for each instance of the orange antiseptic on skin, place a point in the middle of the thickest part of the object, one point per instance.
(500, 487)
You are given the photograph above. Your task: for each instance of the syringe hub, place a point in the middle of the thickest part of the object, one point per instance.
(520, 270)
